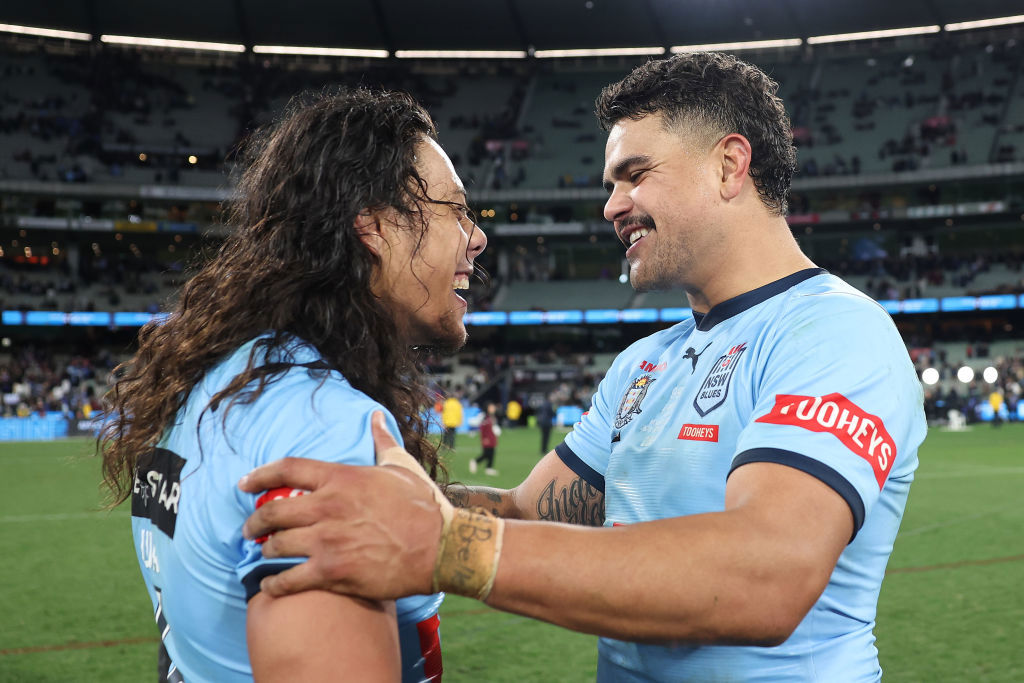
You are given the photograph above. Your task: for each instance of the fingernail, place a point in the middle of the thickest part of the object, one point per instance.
(243, 481)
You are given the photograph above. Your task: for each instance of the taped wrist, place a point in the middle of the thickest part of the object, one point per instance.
(467, 558)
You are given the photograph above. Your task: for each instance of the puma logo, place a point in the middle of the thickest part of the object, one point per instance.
(692, 354)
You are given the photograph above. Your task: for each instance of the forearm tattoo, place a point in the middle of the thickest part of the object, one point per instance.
(477, 496)
(577, 503)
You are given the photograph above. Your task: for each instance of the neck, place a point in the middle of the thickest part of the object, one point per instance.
(760, 252)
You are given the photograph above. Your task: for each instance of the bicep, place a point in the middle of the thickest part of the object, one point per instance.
(554, 492)
(311, 636)
(795, 519)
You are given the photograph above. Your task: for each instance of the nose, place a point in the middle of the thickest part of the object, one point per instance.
(619, 204)
(477, 241)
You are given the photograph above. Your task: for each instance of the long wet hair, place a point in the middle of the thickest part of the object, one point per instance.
(293, 266)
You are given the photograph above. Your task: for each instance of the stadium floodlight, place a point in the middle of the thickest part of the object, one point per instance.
(871, 35)
(744, 45)
(930, 376)
(600, 52)
(965, 374)
(171, 43)
(990, 375)
(44, 32)
(984, 23)
(319, 51)
(460, 54)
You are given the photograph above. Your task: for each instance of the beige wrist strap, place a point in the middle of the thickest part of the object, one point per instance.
(467, 558)
(470, 542)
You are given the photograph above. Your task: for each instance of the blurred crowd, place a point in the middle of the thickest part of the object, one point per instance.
(37, 381)
(34, 381)
(978, 398)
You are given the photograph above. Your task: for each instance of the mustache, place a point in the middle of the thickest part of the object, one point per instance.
(639, 219)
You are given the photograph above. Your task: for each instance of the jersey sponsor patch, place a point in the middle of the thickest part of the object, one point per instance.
(274, 494)
(715, 387)
(651, 367)
(157, 488)
(699, 433)
(859, 430)
(629, 406)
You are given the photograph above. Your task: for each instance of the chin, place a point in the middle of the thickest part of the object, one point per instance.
(447, 337)
(639, 283)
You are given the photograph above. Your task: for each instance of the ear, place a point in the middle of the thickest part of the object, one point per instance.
(735, 155)
(367, 226)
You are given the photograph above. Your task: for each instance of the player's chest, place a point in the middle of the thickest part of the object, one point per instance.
(675, 426)
(698, 392)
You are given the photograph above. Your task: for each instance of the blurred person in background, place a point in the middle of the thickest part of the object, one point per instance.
(513, 412)
(451, 418)
(350, 236)
(545, 419)
(489, 433)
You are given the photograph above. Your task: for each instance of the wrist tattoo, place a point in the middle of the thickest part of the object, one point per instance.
(462, 496)
(457, 495)
(577, 503)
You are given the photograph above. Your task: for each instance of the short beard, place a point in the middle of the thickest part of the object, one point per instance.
(448, 337)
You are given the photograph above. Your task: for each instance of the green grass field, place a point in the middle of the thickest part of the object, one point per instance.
(952, 607)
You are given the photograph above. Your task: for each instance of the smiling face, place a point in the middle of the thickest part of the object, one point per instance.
(423, 265)
(663, 192)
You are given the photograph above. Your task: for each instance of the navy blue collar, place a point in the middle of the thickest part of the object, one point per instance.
(738, 304)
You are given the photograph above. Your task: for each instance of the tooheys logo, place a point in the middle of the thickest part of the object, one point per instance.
(699, 433)
(860, 431)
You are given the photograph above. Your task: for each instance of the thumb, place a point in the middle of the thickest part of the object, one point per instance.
(383, 441)
(389, 452)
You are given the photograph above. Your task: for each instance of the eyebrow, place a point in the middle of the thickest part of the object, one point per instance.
(620, 169)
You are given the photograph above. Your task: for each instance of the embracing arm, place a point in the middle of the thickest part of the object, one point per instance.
(313, 636)
(746, 575)
(552, 492)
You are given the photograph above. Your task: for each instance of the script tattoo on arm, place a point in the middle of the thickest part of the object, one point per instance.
(498, 501)
(575, 503)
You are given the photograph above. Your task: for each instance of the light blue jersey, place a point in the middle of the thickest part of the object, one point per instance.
(805, 372)
(187, 514)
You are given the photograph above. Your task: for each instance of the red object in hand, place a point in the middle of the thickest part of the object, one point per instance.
(274, 494)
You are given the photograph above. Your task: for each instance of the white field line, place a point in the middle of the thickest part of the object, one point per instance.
(61, 517)
(958, 520)
(980, 471)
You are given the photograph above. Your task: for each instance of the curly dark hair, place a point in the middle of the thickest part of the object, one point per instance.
(721, 94)
(294, 267)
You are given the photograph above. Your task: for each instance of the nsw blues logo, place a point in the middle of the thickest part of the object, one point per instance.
(630, 404)
(715, 387)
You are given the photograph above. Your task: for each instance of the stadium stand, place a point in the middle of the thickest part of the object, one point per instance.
(126, 122)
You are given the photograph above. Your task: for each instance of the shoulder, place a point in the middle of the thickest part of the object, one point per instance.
(652, 345)
(829, 291)
(304, 389)
(828, 306)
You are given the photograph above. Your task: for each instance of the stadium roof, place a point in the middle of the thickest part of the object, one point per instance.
(491, 24)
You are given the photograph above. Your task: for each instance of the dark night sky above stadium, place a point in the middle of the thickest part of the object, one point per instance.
(491, 24)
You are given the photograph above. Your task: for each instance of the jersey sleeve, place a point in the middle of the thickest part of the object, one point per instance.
(587, 447)
(837, 398)
(303, 419)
